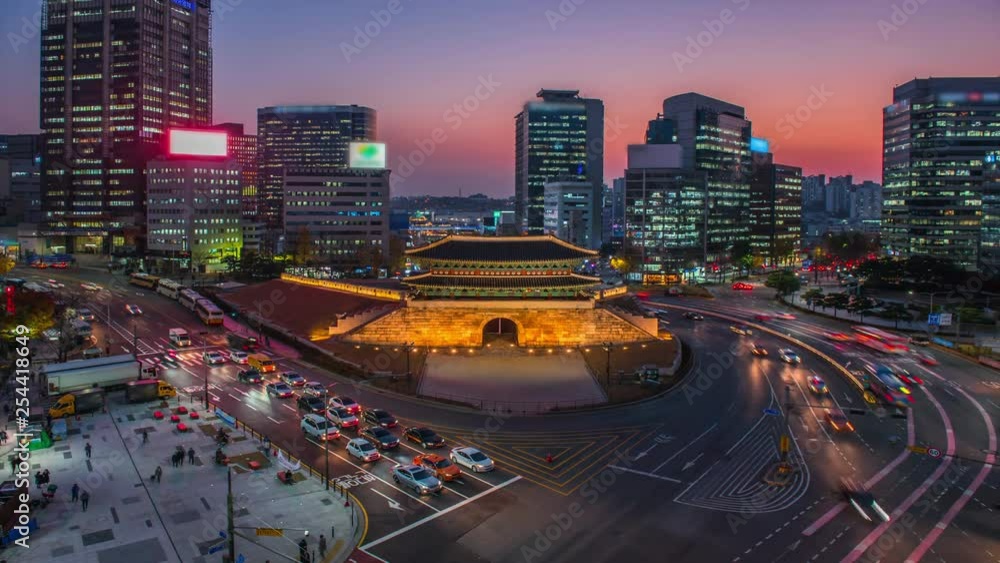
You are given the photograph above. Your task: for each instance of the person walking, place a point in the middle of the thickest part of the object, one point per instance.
(158, 473)
(174, 459)
(45, 477)
(180, 455)
(145, 436)
(85, 500)
(3, 437)
(88, 449)
(322, 546)
(75, 492)
(191, 456)
(38, 479)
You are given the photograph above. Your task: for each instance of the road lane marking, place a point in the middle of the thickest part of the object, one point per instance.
(253, 407)
(235, 398)
(274, 421)
(426, 519)
(686, 446)
(291, 408)
(653, 475)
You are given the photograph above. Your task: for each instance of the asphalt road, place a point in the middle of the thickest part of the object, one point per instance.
(676, 478)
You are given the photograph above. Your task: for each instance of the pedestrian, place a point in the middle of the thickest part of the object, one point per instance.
(38, 479)
(3, 437)
(158, 473)
(322, 545)
(173, 459)
(85, 500)
(75, 491)
(145, 436)
(45, 477)
(303, 551)
(87, 449)
(180, 456)
(191, 456)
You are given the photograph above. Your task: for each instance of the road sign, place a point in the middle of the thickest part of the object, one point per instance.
(274, 532)
(771, 412)
(934, 319)
(919, 449)
(933, 452)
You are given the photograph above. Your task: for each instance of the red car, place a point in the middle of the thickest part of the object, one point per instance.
(441, 467)
(742, 286)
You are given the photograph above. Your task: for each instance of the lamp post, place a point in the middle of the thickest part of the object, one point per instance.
(326, 438)
(204, 346)
(607, 348)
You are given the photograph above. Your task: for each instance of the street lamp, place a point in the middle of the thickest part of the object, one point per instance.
(204, 346)
(607, 348)
(326, 437)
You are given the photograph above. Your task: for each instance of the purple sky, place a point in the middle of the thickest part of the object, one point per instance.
(767, 55)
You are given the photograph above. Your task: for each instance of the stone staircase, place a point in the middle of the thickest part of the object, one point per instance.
(463, 327)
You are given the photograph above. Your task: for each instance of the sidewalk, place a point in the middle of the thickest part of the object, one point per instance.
(132, 519)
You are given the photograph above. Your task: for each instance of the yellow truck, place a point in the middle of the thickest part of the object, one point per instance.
(78, 402)
(145, 390)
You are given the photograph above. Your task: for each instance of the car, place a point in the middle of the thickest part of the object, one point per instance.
(52, 334)
(55, 285)
(762, 317)
(88, 286)
(293, 379)
(920, 340)
(311, 405)
(837, 336)
(313, 389)
(692, 316)
(838, 421)
(279, 389)
(213, 357)
(133, 309)
(316, 426)
(784, 316)
(926, 358)
(382, 438)
(742, 286)
(238, 357)
(341, 417)
(741, 330)
(862, 500)
(417, 478)
(345, 402)
(907, 376)
(363, 450)
(661, 315)
(423, 436)
(169, 357)
(472, 459)
(442, 468)
(60, 265)
(379, 417)
(817, 385)
(758, 350)
(249, 376)
(789, 356)
(85, 314)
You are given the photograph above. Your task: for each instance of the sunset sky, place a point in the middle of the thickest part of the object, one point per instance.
(768, 57)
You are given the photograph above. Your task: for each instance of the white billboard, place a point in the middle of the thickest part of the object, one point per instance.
(367, 155)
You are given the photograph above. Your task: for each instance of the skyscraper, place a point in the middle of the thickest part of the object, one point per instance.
(114, 77)
(304, 137)
(715, 138)
(560, 138)
(243, 149)
(775, 210)
(940, 136)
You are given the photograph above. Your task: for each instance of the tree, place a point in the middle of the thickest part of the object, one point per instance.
(813, 296)
(896, 312)
(742, 254)
(304, 248)
(6, 265)
(783, 250)
(784, 282)
(397, 254)
(836, 301)
(33, 310)
(861, 305)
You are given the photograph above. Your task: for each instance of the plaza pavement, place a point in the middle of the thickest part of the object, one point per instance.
(131, 519)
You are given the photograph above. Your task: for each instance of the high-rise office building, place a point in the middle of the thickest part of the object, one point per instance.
(613, 231)
(715, 138)
(837, 195)
(304, 137)
(939, 137)
(243, 149)
(20, 179)
(115, 75)
(573, 213)
(660, 131)
(665, 216)
(559, 138)
(775, 210)
(813, 192)
(20, 146)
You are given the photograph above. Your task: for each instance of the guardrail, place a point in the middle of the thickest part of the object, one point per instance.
(512, 407)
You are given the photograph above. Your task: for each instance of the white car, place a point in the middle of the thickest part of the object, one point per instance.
(363, 450)
(238, 357)
(313, 389)
(317, 427)
(789, 356)
(213, 357)
(55, 285)
(347, 403)
(784, 316)
(341, 417)
(473, 459)
(88, 286)
(133, 309)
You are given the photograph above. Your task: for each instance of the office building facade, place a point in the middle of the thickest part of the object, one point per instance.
(715, 138)
(573, 213)
(243, 149)
(775, 211)
(304, 137)
(114, 77)
(559, 138)
(342, 213)
(940, 138)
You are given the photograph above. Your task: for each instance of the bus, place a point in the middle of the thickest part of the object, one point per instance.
(143, 280)
(888, 388)
(880, 340)
(208, 312)
(169, 288)
(189, 298)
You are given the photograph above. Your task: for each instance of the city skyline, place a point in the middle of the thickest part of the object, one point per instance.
(474, 62)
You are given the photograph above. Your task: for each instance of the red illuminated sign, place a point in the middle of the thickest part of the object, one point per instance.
(192, 142)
